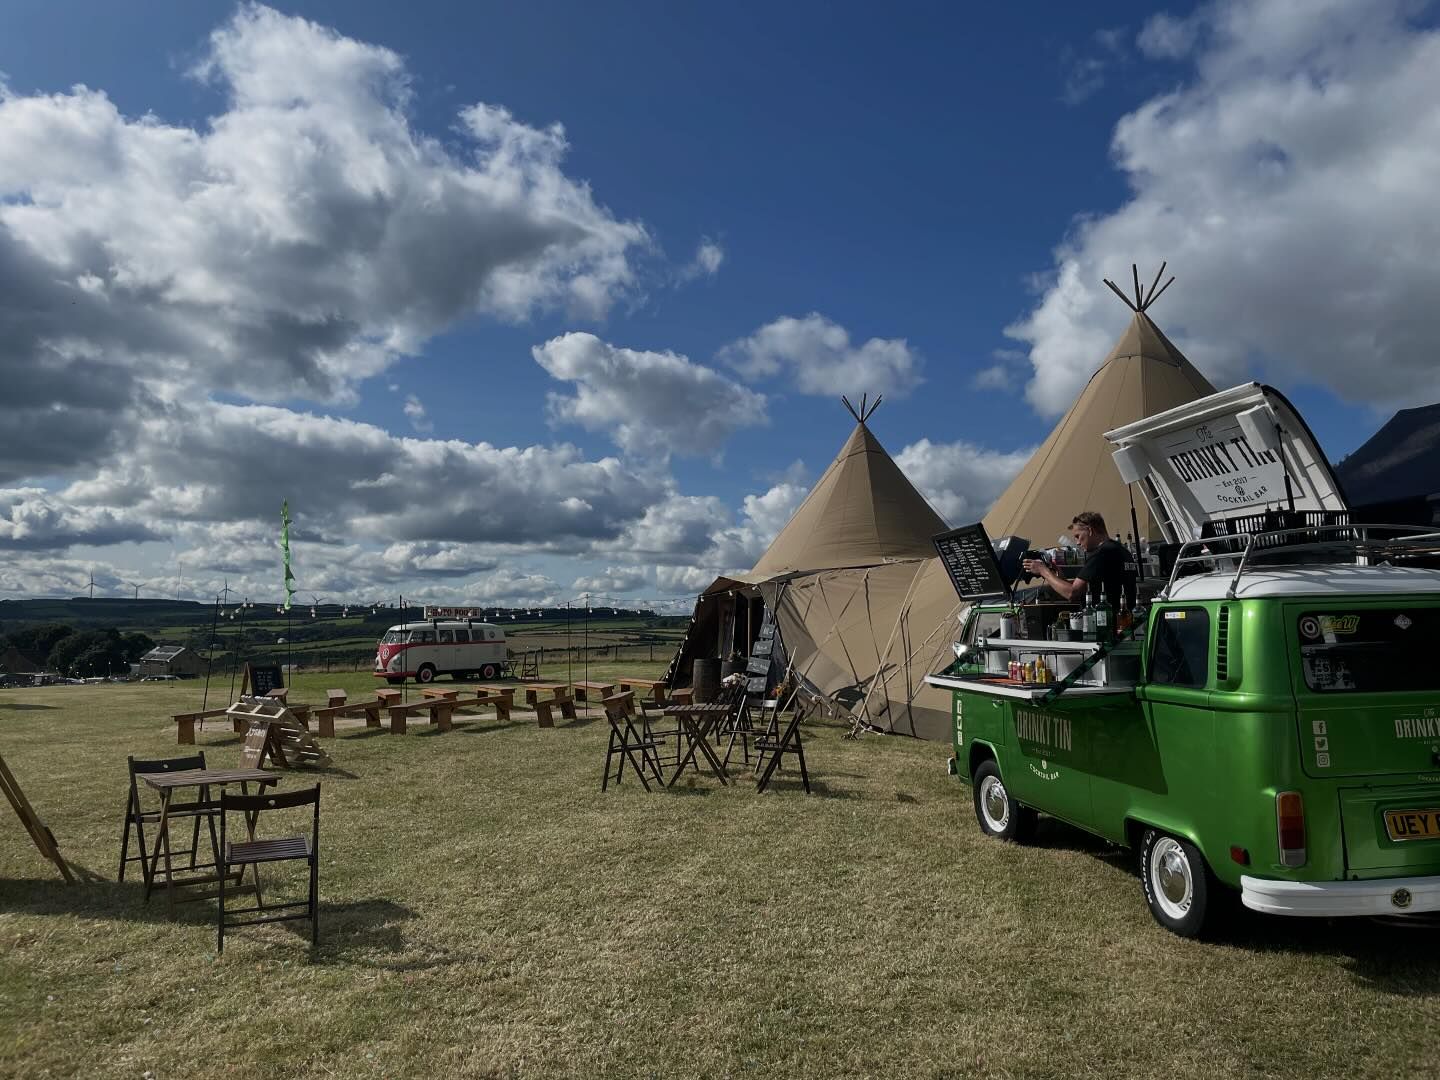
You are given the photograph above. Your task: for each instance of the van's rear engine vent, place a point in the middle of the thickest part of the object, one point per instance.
(1222, 645)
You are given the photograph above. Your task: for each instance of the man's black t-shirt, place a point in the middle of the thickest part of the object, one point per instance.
(1104, 572)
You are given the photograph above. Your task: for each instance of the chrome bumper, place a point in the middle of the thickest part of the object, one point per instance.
(1384, 896)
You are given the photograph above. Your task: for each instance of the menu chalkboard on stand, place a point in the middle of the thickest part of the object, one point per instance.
(260, 679)
(969, 559)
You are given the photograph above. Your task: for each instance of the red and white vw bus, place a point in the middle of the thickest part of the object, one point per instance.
(460, 648)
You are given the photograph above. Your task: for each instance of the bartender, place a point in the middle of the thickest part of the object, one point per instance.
(1104, 572)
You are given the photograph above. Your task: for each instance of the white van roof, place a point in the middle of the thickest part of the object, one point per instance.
(1239, 452)
(447, 624)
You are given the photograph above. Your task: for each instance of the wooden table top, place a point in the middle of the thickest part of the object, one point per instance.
(201, 777)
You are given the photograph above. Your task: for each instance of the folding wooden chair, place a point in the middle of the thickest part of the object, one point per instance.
(625, 739)
(251, 853)
(771, 749)
(136, 818)
(739, 726)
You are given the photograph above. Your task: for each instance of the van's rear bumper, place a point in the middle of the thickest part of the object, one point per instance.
(1385, 896)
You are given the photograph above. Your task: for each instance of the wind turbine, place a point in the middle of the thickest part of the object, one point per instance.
(92, 584)
(134, 585)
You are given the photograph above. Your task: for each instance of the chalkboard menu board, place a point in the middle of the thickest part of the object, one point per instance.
(970, 561)
(262, 678)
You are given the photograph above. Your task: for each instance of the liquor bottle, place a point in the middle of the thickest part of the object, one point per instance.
(1125, 619)
(1102, 623)
(1087, 622)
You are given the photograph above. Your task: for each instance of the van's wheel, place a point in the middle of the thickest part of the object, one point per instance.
(394, 680)
(1000, 815)
(426, 673)
(488, 672)
(1178, 884)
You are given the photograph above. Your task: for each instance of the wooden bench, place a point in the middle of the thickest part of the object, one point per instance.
(545, 710)
(501, 702)
(683, 695)
(334, 698)
(388, 697)
(656, 687)
(185, 723)
(325, 718)
(441, 711)
(601, 690)
(534, 690)
(439, 693)
(507, 692)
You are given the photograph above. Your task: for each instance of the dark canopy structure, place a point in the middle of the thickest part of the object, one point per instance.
(1395, 476)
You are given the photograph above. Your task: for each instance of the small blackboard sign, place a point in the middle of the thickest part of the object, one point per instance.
(260, 679)
(969, 559)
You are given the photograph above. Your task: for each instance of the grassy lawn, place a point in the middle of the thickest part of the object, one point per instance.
(486, 911)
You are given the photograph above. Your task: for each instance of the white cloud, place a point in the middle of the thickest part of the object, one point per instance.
(994, 377)
(33, 519)
(650, 403)
(1290, 184)
(613, 579)
(959, 479)
(415, 412)
(304, 239)
(1167, 37)
(706, 262)
(818, 357)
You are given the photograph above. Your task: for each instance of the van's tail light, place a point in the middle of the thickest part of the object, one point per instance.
(1290, 827)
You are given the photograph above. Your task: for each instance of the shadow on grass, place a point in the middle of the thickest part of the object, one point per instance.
(20, 706)
(1392, 956)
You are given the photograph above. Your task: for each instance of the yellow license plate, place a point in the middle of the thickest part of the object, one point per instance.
(1413, 824)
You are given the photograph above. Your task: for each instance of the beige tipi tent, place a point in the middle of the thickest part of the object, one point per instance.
(916, 609)
(861, 513)
(1072, 471)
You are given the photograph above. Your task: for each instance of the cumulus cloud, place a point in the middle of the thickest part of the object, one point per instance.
(959, 479)
(706, 261)
(650, 403)
(415, 413)
(818, 357)
(1290, 183)
(33, 519)
(304, 239)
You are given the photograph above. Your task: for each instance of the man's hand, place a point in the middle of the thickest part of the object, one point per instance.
(1035, 566)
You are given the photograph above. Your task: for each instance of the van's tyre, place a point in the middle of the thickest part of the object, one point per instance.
(488, 672)
(1000, 815)
(394, 680)
(425, 674)
(1182, 893)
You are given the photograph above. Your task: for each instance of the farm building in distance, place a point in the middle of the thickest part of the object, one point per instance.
(175, 660)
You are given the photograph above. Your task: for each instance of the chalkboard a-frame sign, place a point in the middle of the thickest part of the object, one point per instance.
(969, 559)
(260, 679)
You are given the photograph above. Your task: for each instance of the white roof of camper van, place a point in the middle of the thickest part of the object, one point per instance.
(1329, 581)
(450, 624)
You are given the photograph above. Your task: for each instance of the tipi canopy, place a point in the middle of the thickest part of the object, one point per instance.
(862, 512)
(1144, 374)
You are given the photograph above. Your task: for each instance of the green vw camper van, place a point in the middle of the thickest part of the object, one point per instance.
(1273, 727)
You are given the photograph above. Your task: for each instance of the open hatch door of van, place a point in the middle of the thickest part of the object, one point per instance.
(1233, 455)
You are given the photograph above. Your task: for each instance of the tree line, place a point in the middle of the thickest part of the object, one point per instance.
(79, 653)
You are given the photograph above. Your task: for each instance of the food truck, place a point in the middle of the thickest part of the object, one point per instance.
(449, 641)
(1267, 726)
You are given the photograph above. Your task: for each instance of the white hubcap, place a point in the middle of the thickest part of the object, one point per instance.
(994, 803)
(1171, 879)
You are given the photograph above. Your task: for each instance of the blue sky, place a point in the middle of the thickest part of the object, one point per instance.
(949, 181)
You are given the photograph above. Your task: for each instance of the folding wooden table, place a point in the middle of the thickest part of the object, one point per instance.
(697, 722)
(166, 784)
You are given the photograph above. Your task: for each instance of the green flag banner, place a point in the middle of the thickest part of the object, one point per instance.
(285, 547)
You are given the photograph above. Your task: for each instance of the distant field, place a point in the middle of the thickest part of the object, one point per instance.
(488, 912)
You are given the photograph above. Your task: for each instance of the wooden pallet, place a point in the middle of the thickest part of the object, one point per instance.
(275, 734)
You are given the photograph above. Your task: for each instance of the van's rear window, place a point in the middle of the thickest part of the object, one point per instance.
(1370, 651)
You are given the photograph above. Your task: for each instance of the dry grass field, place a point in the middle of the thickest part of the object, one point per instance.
(487, 911)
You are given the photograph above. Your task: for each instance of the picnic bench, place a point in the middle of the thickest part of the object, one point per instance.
(439, 693)
(185, 723)
(601, 690)
(501, 701)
